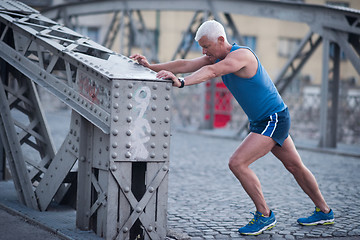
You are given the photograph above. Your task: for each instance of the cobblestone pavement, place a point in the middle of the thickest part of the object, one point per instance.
(207, 202)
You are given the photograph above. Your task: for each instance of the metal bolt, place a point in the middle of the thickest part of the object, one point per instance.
(129, 119)
(130, 96)
(165, 145)
(166, 133)
(150, 228)
(167, 108)
(125, 230)
(116, 85)
(138, 209)
(154, 107)
(126, 189)
(167, 97)
(152, 155)
(113, 168)
(129, 106)
(114, 155)
(128, 132)
(115, 144)
(153, 120)
(116, 118)
(128, 145)
(151, 189)
(165, 168)
(152, 145)
(155, 86)
(165, 155)
(154, 97)
(115, 132)
(116, 95)
(167, 120)
(128, 155)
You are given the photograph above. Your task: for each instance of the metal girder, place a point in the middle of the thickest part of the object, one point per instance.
(296, 61)
(120, 118)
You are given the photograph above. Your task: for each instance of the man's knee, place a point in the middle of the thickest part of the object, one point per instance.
(235, 163)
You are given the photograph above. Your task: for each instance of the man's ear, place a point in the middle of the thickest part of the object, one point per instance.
(221, 39)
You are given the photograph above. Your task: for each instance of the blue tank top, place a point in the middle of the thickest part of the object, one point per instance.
(258, 95)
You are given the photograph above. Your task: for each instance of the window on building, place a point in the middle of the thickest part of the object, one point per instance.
(249, 41)
(287, 46)
(91, 32)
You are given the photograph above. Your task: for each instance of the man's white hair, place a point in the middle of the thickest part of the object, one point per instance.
(212, 30)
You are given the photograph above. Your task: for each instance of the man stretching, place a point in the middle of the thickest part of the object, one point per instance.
(249, 83)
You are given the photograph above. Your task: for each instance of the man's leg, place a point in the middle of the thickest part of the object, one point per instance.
(289, 156)
(252, 148)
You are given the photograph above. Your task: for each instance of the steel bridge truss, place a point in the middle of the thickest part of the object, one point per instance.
(113, 163)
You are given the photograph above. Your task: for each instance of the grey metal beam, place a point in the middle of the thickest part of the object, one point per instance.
(318, 16)
(324, 94)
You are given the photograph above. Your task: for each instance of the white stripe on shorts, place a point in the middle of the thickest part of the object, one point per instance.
(268, 125)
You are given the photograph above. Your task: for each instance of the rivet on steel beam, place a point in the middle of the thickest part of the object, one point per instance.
(165, 145)
(125, 230)
(114, 155)
(167, 97)
(167, 120)
(166, 133)
(138, 209)
(151, 189)
(113, 168)
(129, 119)
(150, 228)
(153, 133)
(152, 155)
(128, 132)
(115, 145)
(165, 168)
(165, 155)
(153, 145)
(168, 87)
(129, 106)
(115, 132)
(167, 108)
(116, 95)
(126, 189)
(128, 145)
(154, 97)
(131, 85)
(154, 107)
(128, 155)
(153, 120)
(155, 86)
(129, 95)
(115, 105)
(116, 118)
(116, 85)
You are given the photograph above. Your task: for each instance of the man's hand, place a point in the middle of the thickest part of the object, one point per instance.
(140, 59)
(169, 75)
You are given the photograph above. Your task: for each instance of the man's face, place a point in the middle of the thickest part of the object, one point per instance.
(210, 48)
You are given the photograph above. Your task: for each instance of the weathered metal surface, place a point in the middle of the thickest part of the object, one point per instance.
(120, 121)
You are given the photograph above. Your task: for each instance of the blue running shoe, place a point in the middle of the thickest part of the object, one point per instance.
(318, 218)
(258, 224)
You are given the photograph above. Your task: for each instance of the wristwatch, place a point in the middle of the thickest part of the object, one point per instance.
(182, 80)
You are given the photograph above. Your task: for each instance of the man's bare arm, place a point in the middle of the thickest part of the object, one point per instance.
(176, 66)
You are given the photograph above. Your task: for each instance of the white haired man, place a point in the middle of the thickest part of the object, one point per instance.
(247, 80)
